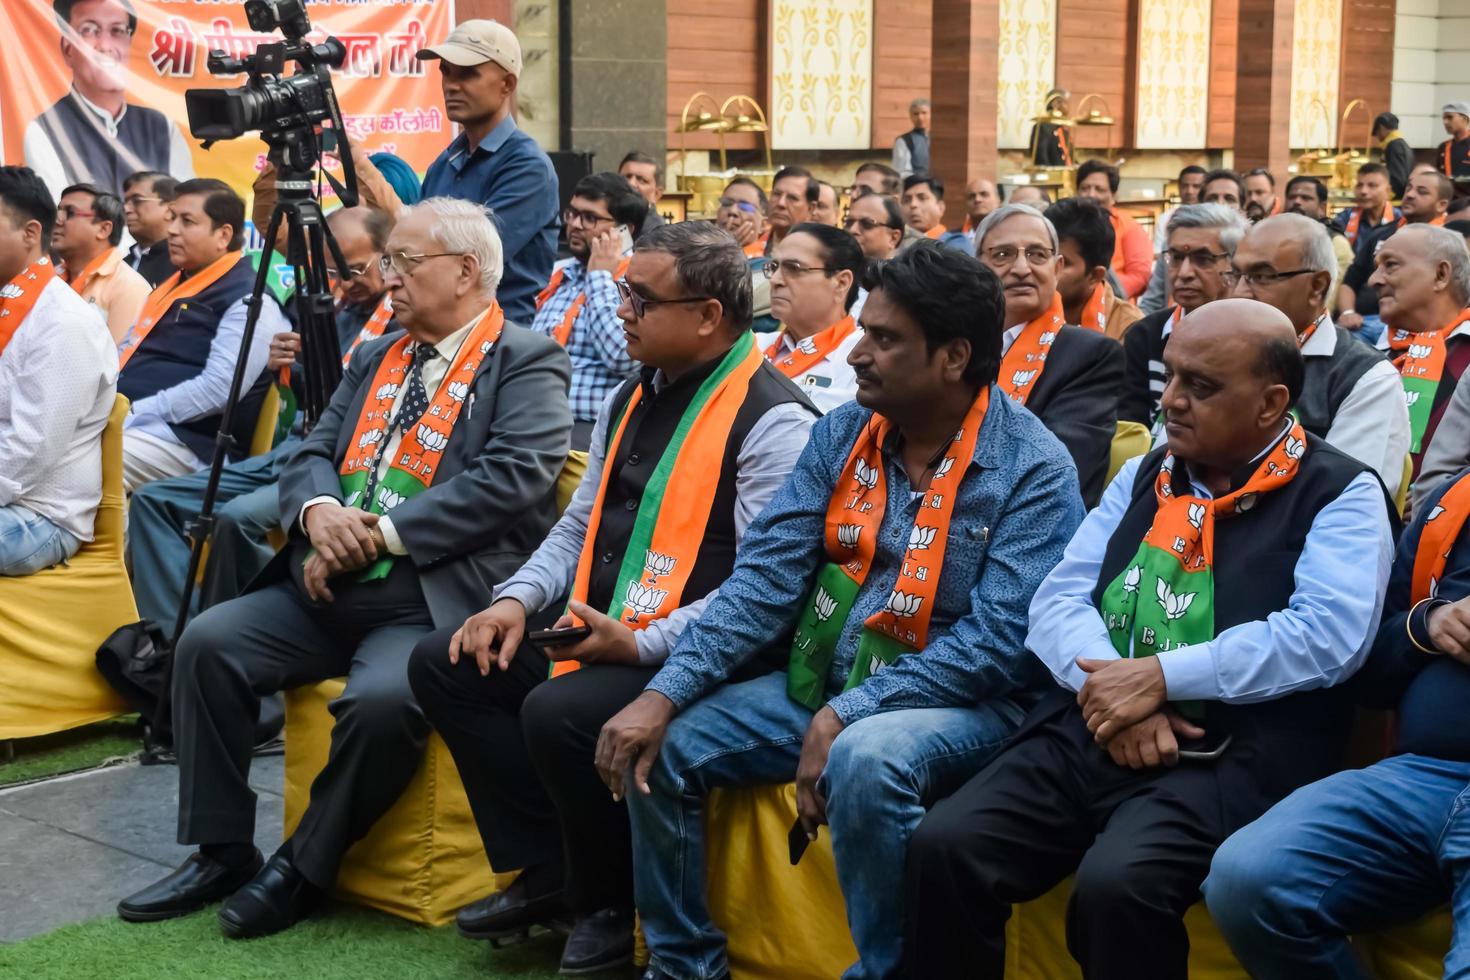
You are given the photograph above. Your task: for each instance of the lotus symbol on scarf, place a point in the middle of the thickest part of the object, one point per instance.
(386, 391)
(1410, 397)
(458, 390)
(485, 346)
(1295, 448)
(903, 604)
(1021, 379)
(388, 499)
(807, 346)
(848, 534)
(656, 564)
(1175, 604)
(920, 538)
(10, 291)
(945, 465)
(369, 438)
(1418, 351)
(1434, 513)
(352, 499)
(1130, 580)
(865, 475)
(432, 441)
(644, 601)
(1045, 340)
(875, 664)
(1197, 516)
(823, 605)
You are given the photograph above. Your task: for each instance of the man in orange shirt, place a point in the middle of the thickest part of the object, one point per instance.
(89, 226)
(1133, 253)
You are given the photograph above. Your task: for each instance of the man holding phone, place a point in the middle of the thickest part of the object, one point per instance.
(683, 458)
(579, 306)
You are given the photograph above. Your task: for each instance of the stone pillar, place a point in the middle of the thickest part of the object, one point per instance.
(1263, 85)
(962, 77)
(618, 78)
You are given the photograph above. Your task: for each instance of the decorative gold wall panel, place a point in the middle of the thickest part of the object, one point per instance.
(1173, 74)
(1316, 47)
(1026, 67)
(821, 74)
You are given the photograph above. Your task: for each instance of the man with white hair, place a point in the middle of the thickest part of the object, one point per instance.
(1350, 393)
(430, 477)
(1069, 377)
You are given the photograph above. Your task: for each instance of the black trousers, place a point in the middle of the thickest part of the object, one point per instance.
(1051, 805)
(274, 639)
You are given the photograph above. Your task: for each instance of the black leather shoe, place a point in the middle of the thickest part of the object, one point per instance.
(275, 899)
(533, 899)
(598, 942)
(198, 882)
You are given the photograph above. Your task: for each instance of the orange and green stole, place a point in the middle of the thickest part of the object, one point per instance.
(675, 509)
(854, 521)
(18, 297)
(416, 461)
(1165, 597)
(810, 351)
(1023, 363)
(375, 327)
(1420, 358)
(1441, 531)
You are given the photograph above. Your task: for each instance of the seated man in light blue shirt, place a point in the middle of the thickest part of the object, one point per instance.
(1197, 626)
(894, 566)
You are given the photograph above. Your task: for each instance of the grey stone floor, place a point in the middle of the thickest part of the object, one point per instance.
(70, 847)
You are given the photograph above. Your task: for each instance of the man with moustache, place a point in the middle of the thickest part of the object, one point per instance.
(877, 223)
(793, 195)
(1306, 195)
(1426, 201)
(1260, 195)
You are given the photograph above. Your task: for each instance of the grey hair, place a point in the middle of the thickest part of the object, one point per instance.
(466, 228)
(1448, 246)
(1007, 211)
(918, 104)
(1311, 236)
(1230, 223)
(708, 262)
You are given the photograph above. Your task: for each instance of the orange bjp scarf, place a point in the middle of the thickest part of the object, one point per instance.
(1024, 362)
(812, 350)
(18, 297)
(162, 299)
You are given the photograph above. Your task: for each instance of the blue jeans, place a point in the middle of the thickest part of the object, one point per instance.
(29, 542)
(1357, 851)
(882, 772)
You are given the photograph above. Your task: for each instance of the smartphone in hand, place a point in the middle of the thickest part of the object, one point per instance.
(558, 638)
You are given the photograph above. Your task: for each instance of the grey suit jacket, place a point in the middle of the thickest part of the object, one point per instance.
(494, 497)
(1076, 397)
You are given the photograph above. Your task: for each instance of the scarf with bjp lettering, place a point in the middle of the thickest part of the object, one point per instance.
(675, 508)
(1023, 363)
(18, 297)
(563, 330)
(162, 299)
(1441, 531)
(1420, 358)
(811, 350)
(417, 460)
(854, 520)
(1165, 597)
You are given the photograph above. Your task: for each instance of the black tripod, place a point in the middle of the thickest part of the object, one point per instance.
(308, 240)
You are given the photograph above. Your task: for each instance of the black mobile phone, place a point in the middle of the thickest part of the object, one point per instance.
(558, 638)
(797, 841)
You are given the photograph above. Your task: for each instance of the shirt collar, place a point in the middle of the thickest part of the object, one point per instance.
(448, 348)
(656, 382)
(108, 119)
(1323, 340)
(1009, 337)
(460, 150)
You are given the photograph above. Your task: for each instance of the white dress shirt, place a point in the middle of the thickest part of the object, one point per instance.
(829, 382)
(58, 379)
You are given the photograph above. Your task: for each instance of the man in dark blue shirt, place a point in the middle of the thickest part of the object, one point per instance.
(492, 162)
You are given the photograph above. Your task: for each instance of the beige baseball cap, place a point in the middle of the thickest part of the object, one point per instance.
(475, 42)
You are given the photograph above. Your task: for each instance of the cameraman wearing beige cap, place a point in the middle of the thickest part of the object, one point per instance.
(491, 161)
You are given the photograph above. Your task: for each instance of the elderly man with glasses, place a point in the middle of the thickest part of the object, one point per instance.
(683, 458)
(877, 224)
(431, 475)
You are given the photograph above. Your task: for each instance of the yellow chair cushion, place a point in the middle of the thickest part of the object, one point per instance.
(1130, 439)
(52, 622)
(570, 477)
(423, 860)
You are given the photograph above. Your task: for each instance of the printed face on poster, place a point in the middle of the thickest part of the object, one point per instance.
(93, 90)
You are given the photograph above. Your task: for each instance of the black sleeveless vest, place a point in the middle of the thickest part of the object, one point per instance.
(89, 155)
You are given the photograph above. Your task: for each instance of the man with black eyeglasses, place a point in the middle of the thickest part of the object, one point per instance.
(877, 224)
(92, 134)
(683, 458)
(146, 196)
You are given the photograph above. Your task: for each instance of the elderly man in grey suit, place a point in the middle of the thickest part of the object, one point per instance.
(430, 478)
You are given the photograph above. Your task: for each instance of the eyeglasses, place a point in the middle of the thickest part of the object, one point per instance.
(587, 219)
(1005, 256)
(1265, 279)
(640, 305)
(1202, 260)
(791, 267)
(67, 212)
(355, 271)
(730, 202)
(404, 264)
(89, 31)
(133, 200)
(866, 224)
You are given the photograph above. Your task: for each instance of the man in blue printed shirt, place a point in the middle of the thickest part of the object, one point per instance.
(579, 306)
(903, 551)
(491, 161)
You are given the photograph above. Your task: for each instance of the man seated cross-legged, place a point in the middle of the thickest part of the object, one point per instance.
(894, 566)
(1196, 625)
(431, 473)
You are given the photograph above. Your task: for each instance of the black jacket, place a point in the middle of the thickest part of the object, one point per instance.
(1076, 397)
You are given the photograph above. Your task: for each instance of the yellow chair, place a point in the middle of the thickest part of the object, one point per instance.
(423, 860)
(1130, 439)
(570, 478)
(263, 439)
(1401, 499)
(52, 622)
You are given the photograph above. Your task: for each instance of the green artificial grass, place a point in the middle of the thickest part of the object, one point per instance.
(340, 943)
(71, 751)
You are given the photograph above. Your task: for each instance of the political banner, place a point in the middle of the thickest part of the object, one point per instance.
(93, 90)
